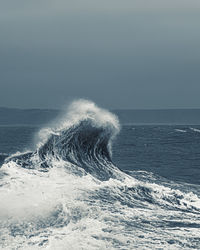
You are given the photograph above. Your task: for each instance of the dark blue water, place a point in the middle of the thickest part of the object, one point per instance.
(172, 152)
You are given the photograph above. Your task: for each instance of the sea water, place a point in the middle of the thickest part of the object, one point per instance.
(86, 182)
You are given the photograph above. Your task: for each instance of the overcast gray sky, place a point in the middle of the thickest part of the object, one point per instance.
(118, 53)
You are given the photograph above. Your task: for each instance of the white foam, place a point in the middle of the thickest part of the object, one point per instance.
(195, 130)
(180, 130)
(30, 198)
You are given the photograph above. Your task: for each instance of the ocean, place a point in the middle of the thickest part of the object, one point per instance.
(84, 181)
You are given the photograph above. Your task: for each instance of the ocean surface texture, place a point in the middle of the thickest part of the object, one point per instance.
(86, 182)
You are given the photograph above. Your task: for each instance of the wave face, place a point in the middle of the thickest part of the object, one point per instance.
(68, 194)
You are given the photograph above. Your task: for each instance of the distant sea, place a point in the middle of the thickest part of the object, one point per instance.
(10, 116)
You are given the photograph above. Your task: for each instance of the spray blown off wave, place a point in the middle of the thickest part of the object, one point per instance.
(68, 194)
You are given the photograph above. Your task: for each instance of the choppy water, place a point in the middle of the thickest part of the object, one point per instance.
(68, 192)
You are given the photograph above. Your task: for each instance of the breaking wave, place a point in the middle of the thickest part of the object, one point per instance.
(68, 194)
(82, 138)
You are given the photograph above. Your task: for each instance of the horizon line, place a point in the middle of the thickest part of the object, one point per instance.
(112, 109)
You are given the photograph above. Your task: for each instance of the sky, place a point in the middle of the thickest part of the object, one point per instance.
(136, 54)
